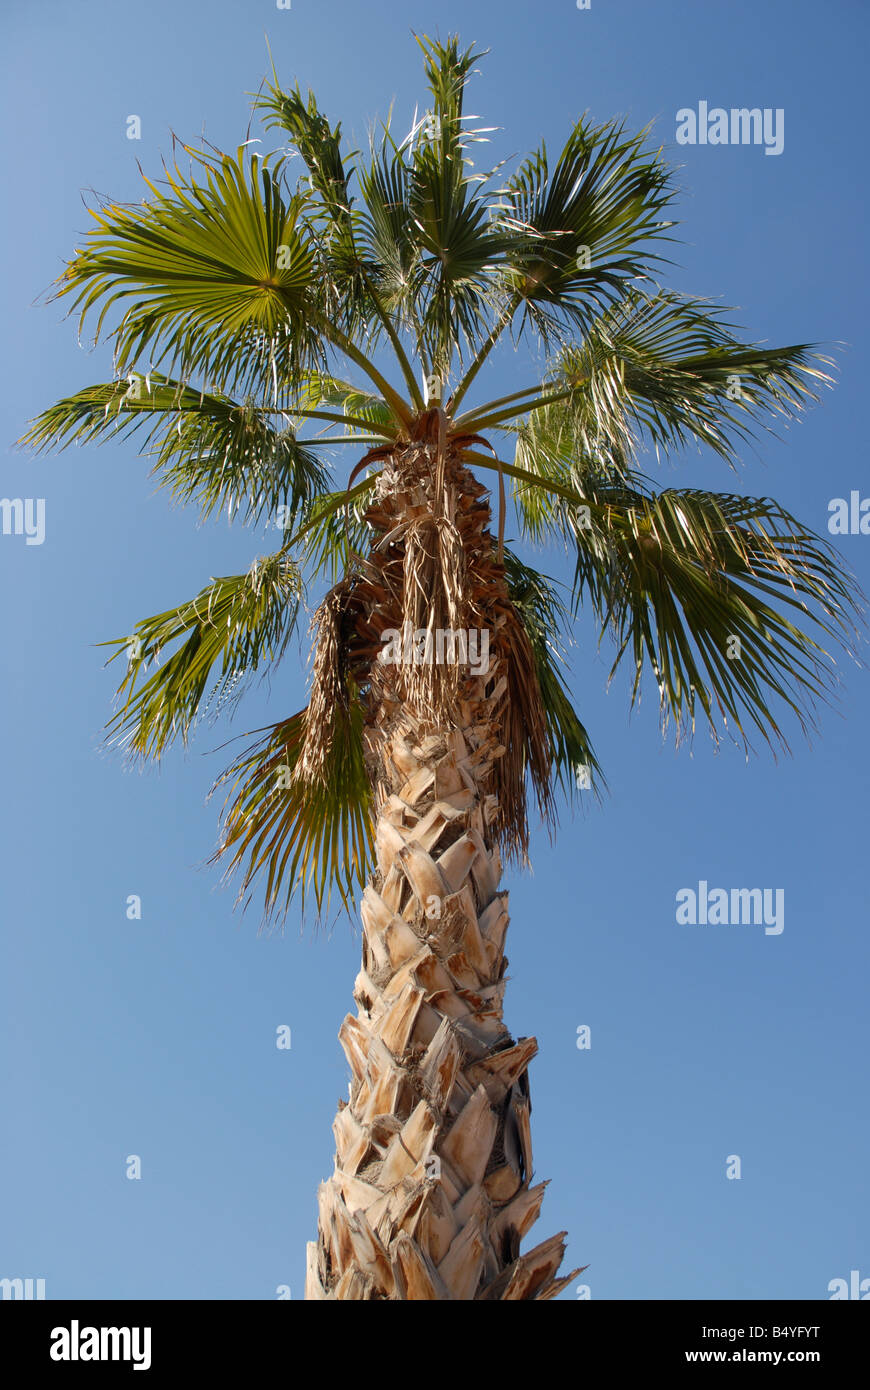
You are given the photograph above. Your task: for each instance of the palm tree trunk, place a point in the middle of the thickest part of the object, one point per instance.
(431, 1193)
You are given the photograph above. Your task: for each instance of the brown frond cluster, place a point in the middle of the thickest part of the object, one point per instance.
(432, 570)
(328, 693)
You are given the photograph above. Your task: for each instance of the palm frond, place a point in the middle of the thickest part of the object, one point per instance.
(667, 371)
(547, 621)
(447, 70)
(334, 522)
(302, 839)
(226, 633)
(675, 576)
(387, 229)
(351, 271)
(217, 276)
(316, 141)
(582, 226)
(427, 220)
(210, 449)
(364, 410)
(719, 595)
(459, 248)
(457, 241)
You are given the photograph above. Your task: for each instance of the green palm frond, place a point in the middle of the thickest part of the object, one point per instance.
(427, 220)
(334, 523)
(719, 595)
(447, 71)
(336, 224)
(226, 633)
(210, 449)
(365, 411)
(217, 276)
(547, 619)
(556, 489)
(674, 576)
(459, 247)
(667, 371)
(582, 224)
(316, 141)
(302, 839)
(457, 240)
(388, 232)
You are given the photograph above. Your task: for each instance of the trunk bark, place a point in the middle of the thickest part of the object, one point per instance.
(432, 1189)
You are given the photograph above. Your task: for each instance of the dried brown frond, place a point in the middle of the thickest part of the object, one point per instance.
(328, 695)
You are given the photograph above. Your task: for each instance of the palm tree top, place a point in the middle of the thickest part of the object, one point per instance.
(269, 313)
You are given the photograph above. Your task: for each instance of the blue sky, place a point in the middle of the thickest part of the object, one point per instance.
(157, 1037)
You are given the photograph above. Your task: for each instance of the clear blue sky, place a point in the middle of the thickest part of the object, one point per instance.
(157, 1037)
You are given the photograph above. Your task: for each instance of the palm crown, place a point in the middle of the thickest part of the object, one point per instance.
(264, 324)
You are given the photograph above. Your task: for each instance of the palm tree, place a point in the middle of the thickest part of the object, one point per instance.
(259, 321)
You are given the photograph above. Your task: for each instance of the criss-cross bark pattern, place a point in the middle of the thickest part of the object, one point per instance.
(432, 1191)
